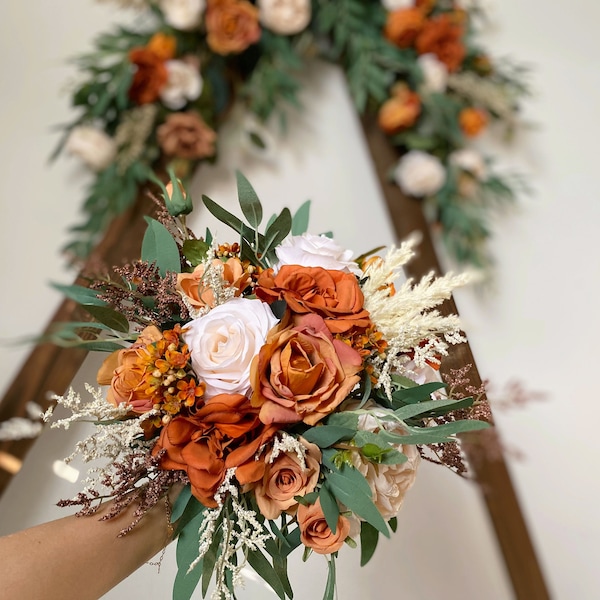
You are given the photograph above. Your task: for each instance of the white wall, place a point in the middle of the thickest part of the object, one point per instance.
(537, 327)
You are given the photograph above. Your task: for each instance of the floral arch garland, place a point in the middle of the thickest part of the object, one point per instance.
(160, 91)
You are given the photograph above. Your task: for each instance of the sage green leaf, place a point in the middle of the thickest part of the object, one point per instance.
(80, 294)
(187, 551)
(109, 317)
(249, 202)
(223, 215)
(330, 585)
(300, 219)
(307, 499)
(181, 503)
(159, 247)
(195, 251)
(259, 562)
(278, 230)
(413, 410)
(100, 346)
(418, 393)
(434, 435)
(343, 419)
(330, 507)
(280, 566)
(369, 536)
(326, 435)
(293, 540)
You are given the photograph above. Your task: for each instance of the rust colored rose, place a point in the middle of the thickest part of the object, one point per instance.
(402, 26)
(151, 74)
(186, 135)
(400, 111)
(472, 121)
(231, 25)
(316, 534)
(190, 285)
(224, 433)
(286, 477)
(442, 36)
(335, 295)
(125, 375)
(302, 373)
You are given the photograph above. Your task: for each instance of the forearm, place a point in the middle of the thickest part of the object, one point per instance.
(79, 557)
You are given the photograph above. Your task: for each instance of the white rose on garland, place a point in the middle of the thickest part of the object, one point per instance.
(93, 146)
(419, 174)
(471, 161)
(285, 17)
(392, 5)
(183, 14)
(435, 73)
(224, 342)
(308, 250)
(184, 83)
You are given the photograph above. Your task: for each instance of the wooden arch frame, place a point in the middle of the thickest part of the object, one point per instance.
(55, 367)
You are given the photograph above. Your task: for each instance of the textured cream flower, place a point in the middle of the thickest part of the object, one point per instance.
(389, 483)
(224, 341)
(183, 14)
(308, 250)
(471, 161)
(419, 174)
(435, 73)
(285, 17)
(94, 147)
(183, 84)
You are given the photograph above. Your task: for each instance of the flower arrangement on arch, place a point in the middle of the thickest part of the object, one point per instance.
(158, 92)
(290, 388)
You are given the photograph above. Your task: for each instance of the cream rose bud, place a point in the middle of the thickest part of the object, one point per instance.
(471, 161)
(183, 14)
(435, 73)
(285, 17)
(184, 83)
(94, 147)
(223, 343)
(419, 174)
(308, 250)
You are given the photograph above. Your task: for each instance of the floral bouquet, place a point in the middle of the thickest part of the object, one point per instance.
(291, 389)
(158, 92)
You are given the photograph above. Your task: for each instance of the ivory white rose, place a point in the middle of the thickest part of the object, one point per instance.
(285, 17)
(392, 5)
(388, 483)
(183, 14)
(435, 73)
(184, 83)
(223, 343)
(419, 174)
(470, 160)
(308, 250)
(92, 145)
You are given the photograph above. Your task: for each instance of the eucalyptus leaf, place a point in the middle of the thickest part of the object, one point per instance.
(249, 202)
(210, 560)
(331, 576)
(369, 536)
(326, 435)
(259, 562)
(159, 247)
(413, 410)
(187, 551)
(300, 219)
(330, 507)
(181, 503)
(418, 393)
(80, 294)
(195, 251)
(223, 215)
(109, 317)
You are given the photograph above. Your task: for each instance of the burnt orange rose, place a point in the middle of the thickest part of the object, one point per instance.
(316, 534)
(123, 371)
(286, 477)
(335, 295)
(231, 25)
(224, 433)
(151, 74)
(400, 111)
(442, 36)
(472, 121)
(199, 295)
(186, 135)
(302, 373)
(402, 26)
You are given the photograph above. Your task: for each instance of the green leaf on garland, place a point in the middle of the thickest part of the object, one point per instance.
(249, 202)
(418, 393)
(109, 317)
(195, 251)
(159, 247)
(369, 536)
(81, 295)
(326, 435)
(301, 218)
(330, 507)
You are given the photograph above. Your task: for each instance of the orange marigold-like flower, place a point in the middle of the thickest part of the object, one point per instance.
(402, 26)
(231, 25)
(400, 111)
(442, 35)
(473, 121)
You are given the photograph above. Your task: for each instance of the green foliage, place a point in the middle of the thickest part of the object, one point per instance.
(369, 536)
(186, 553)
(159, 247)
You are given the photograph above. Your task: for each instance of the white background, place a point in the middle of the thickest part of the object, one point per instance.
(539, 326)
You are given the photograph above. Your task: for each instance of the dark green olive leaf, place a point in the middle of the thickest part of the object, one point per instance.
(249, 202)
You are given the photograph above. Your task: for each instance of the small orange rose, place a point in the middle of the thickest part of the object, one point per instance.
(316, 534)
(231, 25)
(199, 295)
(403, 26)
(442, 35)
(400, 111)
(186, 135)
(473, 121)
(302, 373)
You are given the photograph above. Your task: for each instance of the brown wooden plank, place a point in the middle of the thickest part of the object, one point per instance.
(490, 470)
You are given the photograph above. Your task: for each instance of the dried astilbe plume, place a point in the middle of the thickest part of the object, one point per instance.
(23, 428)
(132, 134)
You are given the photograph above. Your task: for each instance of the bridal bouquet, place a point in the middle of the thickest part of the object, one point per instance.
(291, 389)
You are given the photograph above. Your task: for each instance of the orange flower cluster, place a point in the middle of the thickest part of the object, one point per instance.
(473, 121)
(441, 34)
(400, 111)
(231, 26)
